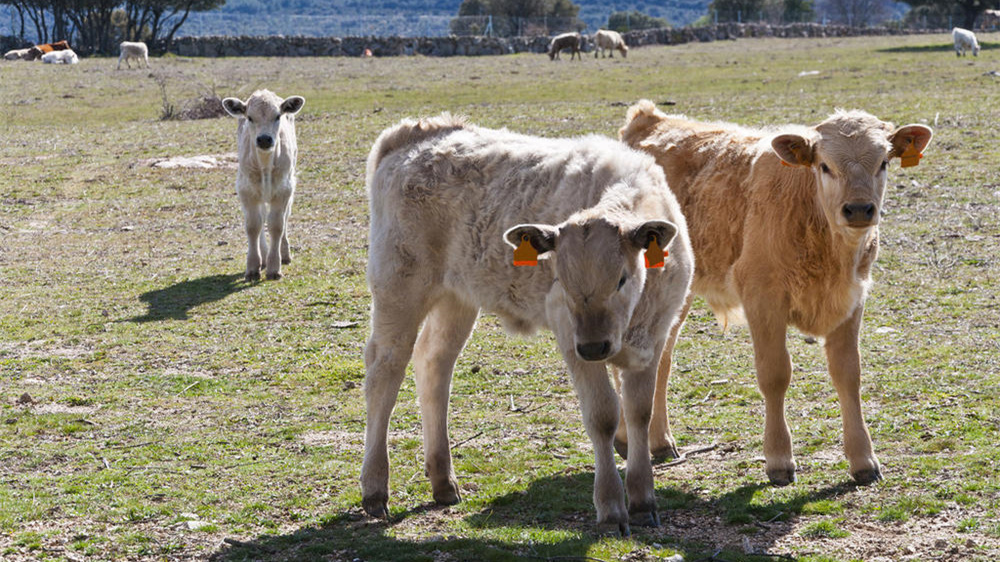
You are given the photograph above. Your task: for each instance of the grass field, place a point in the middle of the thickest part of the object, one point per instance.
(154, 406)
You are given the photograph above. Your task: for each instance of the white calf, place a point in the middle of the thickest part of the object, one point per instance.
(965, 40)
(133, 50)
(446, 199)
(61, 57)
(265, 180)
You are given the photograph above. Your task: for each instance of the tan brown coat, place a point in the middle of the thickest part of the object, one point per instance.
(784, 225)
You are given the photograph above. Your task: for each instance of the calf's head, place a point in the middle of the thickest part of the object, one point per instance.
(263, 112)
(600, 273)
(849, 154)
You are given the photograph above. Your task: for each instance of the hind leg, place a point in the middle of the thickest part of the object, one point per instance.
(441, 340)
(397, 311)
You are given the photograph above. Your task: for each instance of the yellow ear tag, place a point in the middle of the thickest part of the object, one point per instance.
(525, 253)
(654, 255)
(910, 157)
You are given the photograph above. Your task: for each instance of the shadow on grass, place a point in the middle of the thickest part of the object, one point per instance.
(551, 520)
(944, 47)
(174, 302)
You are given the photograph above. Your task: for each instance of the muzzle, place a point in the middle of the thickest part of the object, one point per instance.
(265, 142)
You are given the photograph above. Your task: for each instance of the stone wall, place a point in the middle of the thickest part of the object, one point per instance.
(278, 46)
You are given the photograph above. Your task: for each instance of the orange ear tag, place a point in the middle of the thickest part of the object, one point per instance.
(654, 255)
(525, 253)
(910, 157)
(783, 163)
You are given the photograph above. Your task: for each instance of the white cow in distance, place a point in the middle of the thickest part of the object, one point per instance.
(66, 56)
(265, 179)
(449, 201)
(965, 40)
(136, 50)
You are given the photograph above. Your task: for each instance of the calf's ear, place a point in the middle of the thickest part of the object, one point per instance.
(795, 150)
(662, 231)
(292, 105)
(919, 135)
(541, 236)
(234, 107)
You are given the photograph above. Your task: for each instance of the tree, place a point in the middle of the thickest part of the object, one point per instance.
(627, 21)
(856, 12)
(736, 10)
(969, 9)
(97, 26)
(518, 17)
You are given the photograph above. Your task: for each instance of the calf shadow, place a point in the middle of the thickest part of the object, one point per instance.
(177, 300)
(692, 525)
(943, 47)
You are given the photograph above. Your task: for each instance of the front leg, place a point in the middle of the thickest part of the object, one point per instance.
(844, 361)
(637, 404)
(253, 217)
(276, 228)
(768, 324)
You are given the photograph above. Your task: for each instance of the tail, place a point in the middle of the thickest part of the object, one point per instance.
(408, 132)
(639, 117)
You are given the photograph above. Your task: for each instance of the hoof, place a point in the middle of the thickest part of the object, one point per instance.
(273, 276)
(781, 477)
(666, 452)
(621, 447)
(286, 261)
(377, 506)
(447, 497)
(252, 276)
(645, 519)
(868, 476)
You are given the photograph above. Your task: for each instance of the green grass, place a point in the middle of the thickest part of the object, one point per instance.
(161, 384)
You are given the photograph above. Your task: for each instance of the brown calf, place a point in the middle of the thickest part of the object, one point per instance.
(785, 230)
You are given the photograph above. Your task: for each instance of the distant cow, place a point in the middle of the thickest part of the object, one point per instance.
(569, 41)
(50, 47)
(446, 199)
(990, 19)
(607, 40)
(17, 54)
(784, 225)
(60, 57)
(136, 50)
(265, 180)
(965, 40)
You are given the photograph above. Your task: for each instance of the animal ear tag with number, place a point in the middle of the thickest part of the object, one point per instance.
(911, 156)
(525, 253)
(654, 255)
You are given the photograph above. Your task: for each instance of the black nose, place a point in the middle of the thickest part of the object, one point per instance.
(859, 214)
(596, 351)
(265, 142)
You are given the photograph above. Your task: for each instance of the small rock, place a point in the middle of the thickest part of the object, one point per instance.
(25, 399)
(940, 543)
(519, 372)
(970, 544)
(909, 549)
(195, 525)
(674, 558)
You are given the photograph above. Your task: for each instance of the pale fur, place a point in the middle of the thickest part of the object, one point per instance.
(66, 56)
(777, 245)
(610, 41)
(18, 54)
(265, 179)
(130, 50)
(965, 40)
(571, 41)
(448, 201)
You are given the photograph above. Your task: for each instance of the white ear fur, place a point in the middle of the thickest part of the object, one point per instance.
(234, 107)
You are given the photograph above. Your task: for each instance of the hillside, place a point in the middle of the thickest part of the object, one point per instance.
(395, 17)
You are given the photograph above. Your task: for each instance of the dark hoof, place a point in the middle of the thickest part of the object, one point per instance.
(781, 477)
(252, 276)
(868, 476)
(645, 518)
(286, 261)
(447, 497)
(621, 447)
(667, 452)
(624, 530)
(273, 276)
(377, 506)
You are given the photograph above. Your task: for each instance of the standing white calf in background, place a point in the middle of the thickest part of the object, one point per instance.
(265, 181)
(965, 40)
(133, 50)
(607, 40)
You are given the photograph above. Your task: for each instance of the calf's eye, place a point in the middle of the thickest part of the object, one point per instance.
(885, 164)
(825, 168)
(621, 282)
